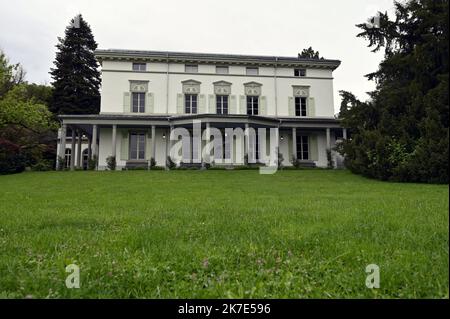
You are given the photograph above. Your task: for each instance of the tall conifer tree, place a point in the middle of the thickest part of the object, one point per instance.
(76, 75)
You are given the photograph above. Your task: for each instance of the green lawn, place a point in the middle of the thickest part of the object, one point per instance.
(225, 234)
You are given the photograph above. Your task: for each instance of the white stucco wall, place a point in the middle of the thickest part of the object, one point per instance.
(116, 77)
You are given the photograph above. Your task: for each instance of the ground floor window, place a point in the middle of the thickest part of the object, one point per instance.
(137, 146)
(67, 157)
(85, 159)
(302, 147)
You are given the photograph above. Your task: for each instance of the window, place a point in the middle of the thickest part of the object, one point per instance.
(190, 103)
(138, 99)
(221, 69)
(300, 106)
(191, 68)
(302, 147)
(299, 72)
(252, 105)
(252, 71)
(137, 146)
(222, 104)
(139, 66)
(67, 155)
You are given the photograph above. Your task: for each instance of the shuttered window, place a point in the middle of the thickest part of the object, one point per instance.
(222, 104)
(252, 105)
(138, 99)
(137, 146)
(300, 106)
(190, 103)
(302, 147)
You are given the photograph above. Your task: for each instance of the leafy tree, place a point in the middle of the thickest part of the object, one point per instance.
(309, 54)
(26, 125)
(76, 75)
(402, 133)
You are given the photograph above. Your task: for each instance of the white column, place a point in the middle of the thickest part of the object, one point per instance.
(153, 143)
(94, 141)
(79, 155)
(344, 133)
(89, 148)
(208, 140)
(62, 145)
(328, 139)
(72, 151)
(114, 140)
(246, 140)
(294, 142)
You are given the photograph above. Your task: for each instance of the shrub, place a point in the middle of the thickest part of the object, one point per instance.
(170, 163)
(42, 166)
(152, 162)
(92, 163)
(61, 161)
(11, 159)
(111, 163)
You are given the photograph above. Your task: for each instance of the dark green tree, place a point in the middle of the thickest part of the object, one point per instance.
(401, 133)
(76, 75)
(309, 54)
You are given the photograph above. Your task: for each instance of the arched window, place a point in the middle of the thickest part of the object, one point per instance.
(67, 156)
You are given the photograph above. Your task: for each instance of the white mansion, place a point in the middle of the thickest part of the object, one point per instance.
(147, 95)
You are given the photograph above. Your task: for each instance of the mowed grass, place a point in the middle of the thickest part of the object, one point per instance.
(224, 234)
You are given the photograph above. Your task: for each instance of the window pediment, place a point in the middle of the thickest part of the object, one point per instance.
(252, 88)
(138, 86)
(191, 86)
(222, 88)
(301, 90)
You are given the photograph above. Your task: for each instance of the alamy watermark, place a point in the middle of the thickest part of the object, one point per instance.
(73, 279)
(373, 279)
(226, 146)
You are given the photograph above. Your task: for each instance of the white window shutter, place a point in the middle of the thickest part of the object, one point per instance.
(233, 106)
(313, 147)
(243, 105)
(201, 104)
(149, 104)
(263, 106)
(291, 106)
(124, 146)
(126, 102)
(212, 103)
(180, 102)
(311, 107)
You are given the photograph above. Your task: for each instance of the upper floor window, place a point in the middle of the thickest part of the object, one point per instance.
(138, 102)
(191, 68)
(221, 69)
(222, 104)
(139, 66)
(299, 72)
(300, 106)
(252, 71)
(252, 105)
(190, 103)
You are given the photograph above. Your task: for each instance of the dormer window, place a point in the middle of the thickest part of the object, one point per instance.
(252, 71)
(139, 66)
(299, 72)
(191, 68)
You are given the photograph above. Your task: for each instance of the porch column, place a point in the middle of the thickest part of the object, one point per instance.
(168, 144)
(89, 148)
(72, 151)
(62, 146)
(94, 141)
(208, 140)
(328, 139)
(294, 143)
(79, 155)
(246, 140)
(344, 133)
(153, 144)
(113, 140)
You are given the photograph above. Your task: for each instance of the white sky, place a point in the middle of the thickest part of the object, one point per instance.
(29, 30)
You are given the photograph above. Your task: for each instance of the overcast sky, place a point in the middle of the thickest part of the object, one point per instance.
(29, 30)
